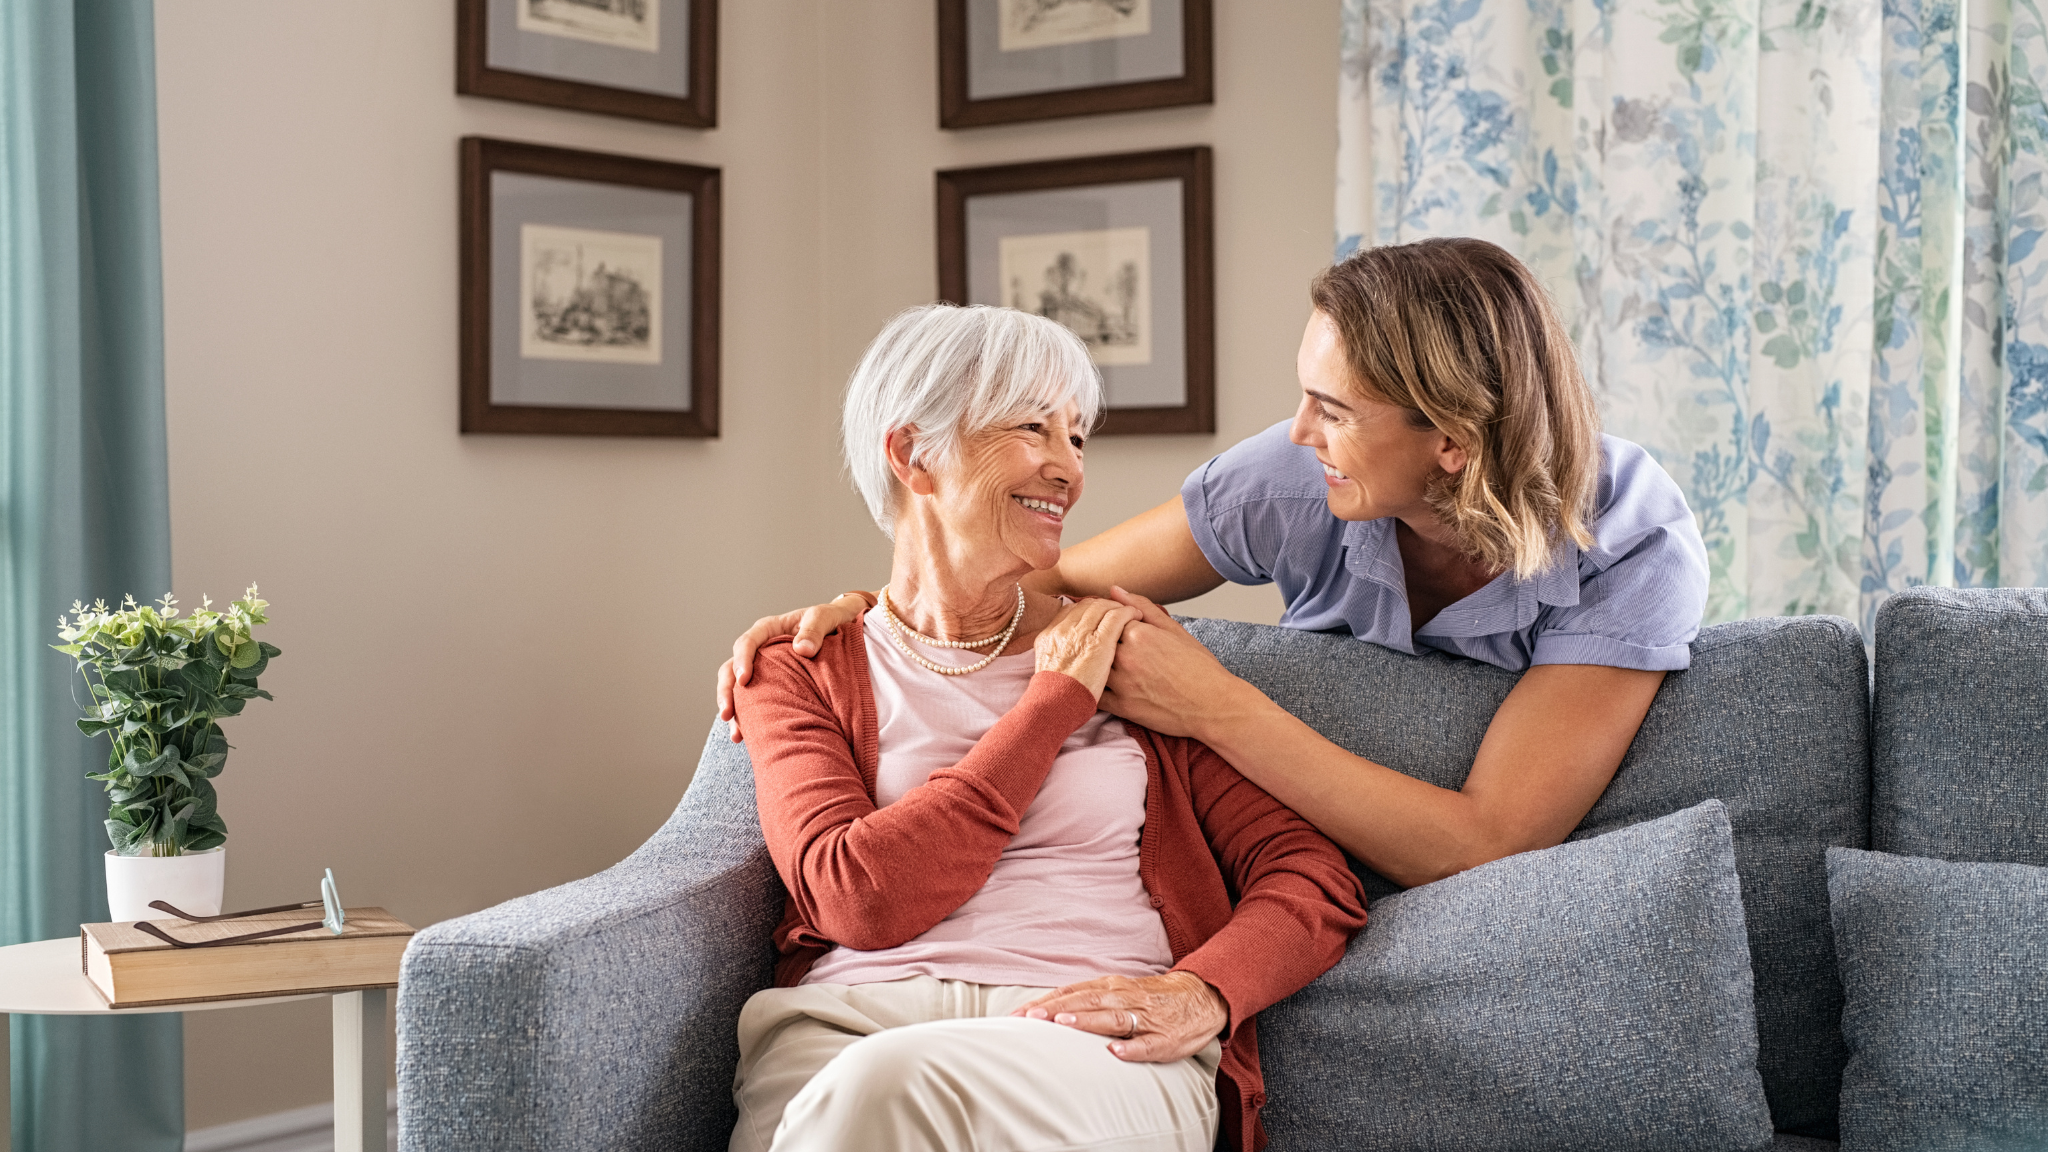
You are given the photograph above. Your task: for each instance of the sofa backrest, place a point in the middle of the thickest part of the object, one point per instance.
(1772, 719)
(1959, 769)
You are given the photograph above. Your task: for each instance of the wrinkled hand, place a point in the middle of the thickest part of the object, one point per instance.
(1164, 678)
(810, 626)
(1081, 641)
(1177, 1014)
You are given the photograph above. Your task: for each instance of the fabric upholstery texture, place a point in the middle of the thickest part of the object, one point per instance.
(1945, 967)
(1593, 997)
(599, 1014)
(1771, 719)
(1959, 719)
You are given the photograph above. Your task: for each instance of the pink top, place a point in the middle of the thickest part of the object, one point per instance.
(1064, 902)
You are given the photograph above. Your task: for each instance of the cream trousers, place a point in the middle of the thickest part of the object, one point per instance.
(933, 1064)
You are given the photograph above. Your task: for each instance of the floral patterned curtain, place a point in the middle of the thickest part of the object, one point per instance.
(1796, 241)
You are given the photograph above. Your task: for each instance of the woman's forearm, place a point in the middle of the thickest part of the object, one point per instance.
(1153, 554)
(1407, 830)
(1551, 750)
(873, 877)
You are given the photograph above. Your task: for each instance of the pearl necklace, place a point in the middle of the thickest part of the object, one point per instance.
(1001, 641)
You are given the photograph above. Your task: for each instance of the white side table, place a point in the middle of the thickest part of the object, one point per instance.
(43, 979)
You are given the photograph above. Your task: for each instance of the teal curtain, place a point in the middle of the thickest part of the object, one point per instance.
(84, 509)
(1798, 241)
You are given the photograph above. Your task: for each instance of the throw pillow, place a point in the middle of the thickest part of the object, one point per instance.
(1945, 971)
(1593, 997)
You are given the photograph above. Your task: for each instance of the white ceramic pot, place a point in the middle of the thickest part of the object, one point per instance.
(191, 883)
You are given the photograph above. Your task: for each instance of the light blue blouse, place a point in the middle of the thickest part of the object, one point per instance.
(1260, 513)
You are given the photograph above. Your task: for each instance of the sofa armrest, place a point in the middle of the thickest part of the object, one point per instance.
(602, 1013)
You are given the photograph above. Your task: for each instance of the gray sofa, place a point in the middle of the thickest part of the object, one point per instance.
(600, 1014)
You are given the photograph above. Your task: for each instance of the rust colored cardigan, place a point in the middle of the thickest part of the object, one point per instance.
(872, 878)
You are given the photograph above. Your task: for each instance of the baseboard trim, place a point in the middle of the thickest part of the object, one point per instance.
(308, 1129)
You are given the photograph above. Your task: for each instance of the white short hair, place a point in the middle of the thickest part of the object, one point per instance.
(951, 371)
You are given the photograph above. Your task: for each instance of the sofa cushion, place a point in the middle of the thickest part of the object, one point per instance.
(1771, 719)
(1945, 967)
(1959, 765)
(1592, 997)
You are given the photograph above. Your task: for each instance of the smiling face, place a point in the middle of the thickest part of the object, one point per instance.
(1376, 461)
(1003, 504)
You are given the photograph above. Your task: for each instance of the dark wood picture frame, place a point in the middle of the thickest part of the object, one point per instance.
(482, 156)
(475, 77)
(1195, 85)
(1192, 167)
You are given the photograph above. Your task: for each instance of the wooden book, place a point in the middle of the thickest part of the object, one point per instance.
(131, 968)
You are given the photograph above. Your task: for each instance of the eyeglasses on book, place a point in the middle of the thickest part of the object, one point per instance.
(329, 901)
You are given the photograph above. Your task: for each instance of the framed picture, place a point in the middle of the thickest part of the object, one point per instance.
(1118, 249)
(589, 293)
(647, 59)
(1001, 61)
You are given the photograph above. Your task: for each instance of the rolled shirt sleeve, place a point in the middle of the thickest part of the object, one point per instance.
(1260, 514)
(1244, 504)
(1643, 584)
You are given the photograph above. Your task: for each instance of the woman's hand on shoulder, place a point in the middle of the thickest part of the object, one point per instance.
(1081, 641)
(1164, 678)
(810, 626)
(1152, 1019)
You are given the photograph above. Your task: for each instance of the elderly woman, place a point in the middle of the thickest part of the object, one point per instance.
(1014, 922)
(1443, 484)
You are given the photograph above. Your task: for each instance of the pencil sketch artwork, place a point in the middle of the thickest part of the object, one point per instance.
(589, 295)
(1028, 24)
(618, 23)
(1098, 284)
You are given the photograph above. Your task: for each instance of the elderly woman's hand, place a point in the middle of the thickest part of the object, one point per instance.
(1081, 641)
(1153, 1019)
(809, 625)
(1165, 679)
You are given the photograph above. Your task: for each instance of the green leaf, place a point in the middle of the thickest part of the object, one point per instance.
(207, 763)
(137, 765)
(1770, 291)
(117, 834)
(131, 791)
(97, 727)
(202, 841)
(247, 653)
(1783, 349)
(269, 650)
(1561, 91)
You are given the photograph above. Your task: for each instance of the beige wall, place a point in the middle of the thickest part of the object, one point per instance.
(498, 649)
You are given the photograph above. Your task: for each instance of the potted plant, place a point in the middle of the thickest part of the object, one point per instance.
(159, 684)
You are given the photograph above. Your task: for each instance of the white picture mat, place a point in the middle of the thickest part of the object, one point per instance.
(518, 200)
(557, 263)
(1098, 283)
(575, 21)
(1028, 24)
(1154, 205)
(665, 71)
(992, 72)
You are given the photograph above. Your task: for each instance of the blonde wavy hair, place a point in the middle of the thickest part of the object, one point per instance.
(1458, 332)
